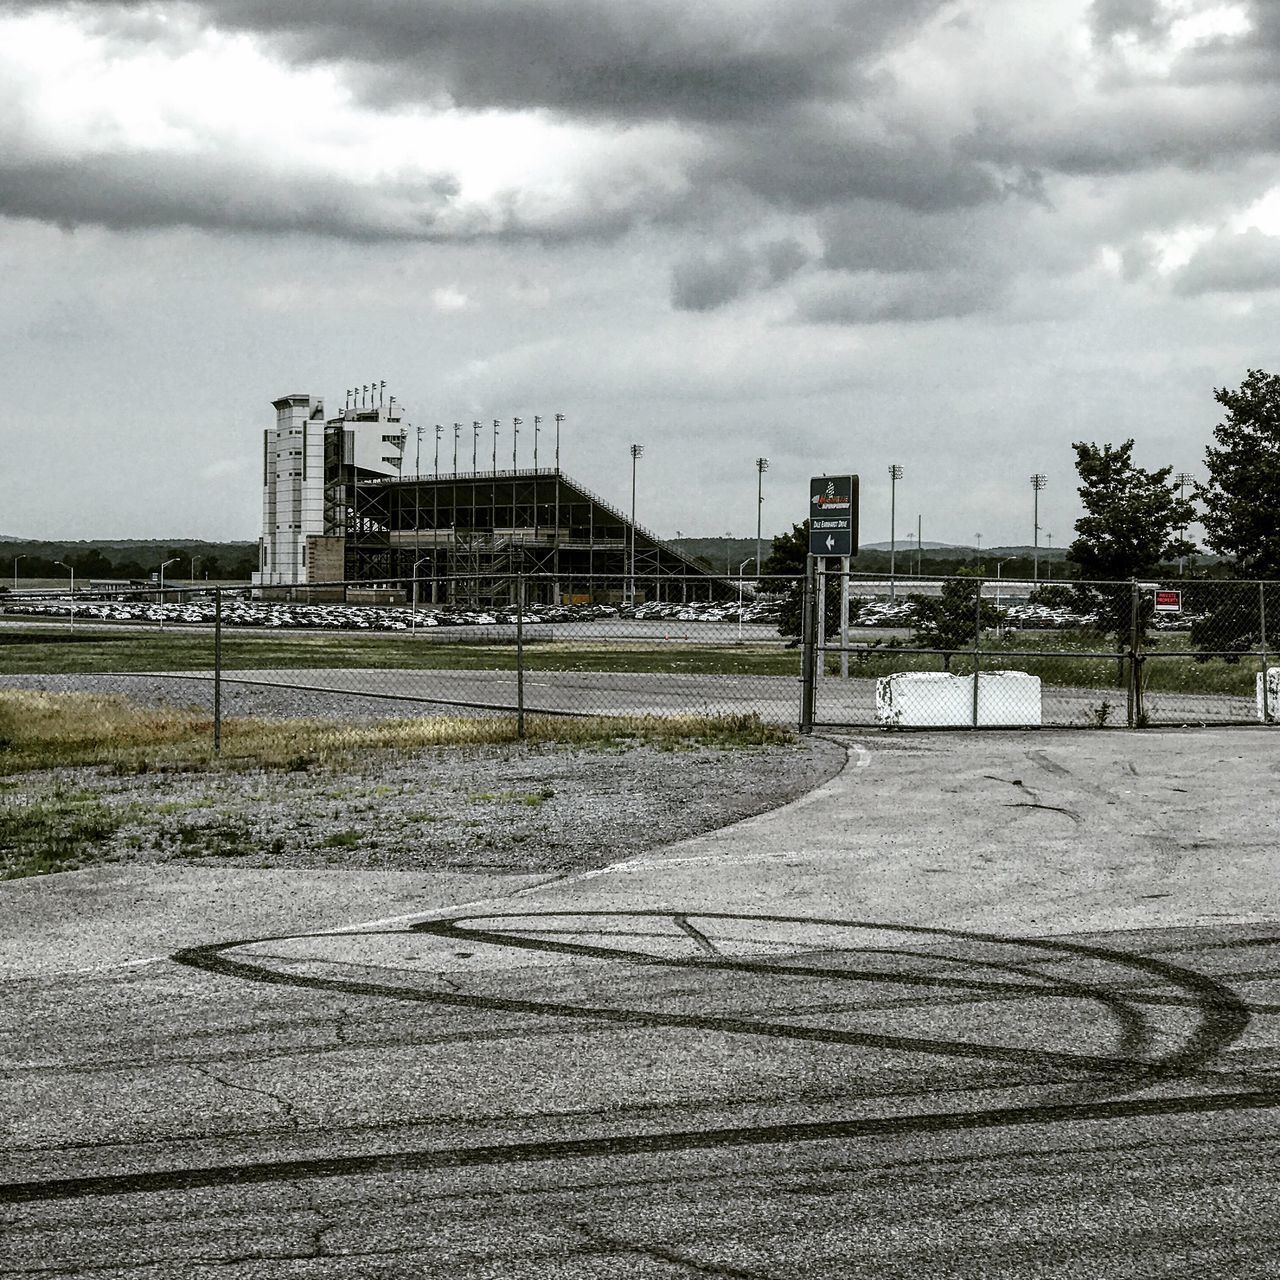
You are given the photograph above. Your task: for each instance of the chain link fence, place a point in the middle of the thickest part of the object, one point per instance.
(968, 651)
(513, 645)
(833, 650)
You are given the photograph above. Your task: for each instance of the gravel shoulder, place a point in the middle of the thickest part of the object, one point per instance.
(524, 809)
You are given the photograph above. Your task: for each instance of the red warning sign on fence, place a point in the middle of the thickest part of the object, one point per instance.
(1168, 601)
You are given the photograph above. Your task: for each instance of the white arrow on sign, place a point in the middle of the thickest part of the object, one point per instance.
(831, 542)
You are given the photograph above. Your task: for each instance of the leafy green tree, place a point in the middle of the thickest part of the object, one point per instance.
(1242, 512)
(1242, 496)
(953, 619)
(1132, 524)
(788, 557)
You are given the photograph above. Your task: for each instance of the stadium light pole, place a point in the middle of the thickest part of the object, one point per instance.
(637, 452)
(895, 474)
(163, 566)
(741, 567)
(537, 426)
(1182, 479)
(417, 457)
(413, 621)
(15, 569)
(71, 570)
(439, 429)
(559, 420)
(1038, 482)
(495, 450)
(516, 423)
(1048, 566)
(457, 431)
(762, 465)
(919, 542)
(475, 446)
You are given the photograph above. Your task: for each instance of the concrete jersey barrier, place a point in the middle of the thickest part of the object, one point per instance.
(938, 700)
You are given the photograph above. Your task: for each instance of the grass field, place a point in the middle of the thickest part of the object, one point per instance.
(48, 730)
(183, 651)
(1168, 668)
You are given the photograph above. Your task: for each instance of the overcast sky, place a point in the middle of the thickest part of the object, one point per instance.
(842, 234)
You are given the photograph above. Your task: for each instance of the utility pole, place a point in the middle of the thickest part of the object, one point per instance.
(1038, 482)
(163, 567)
(637, 452)
(1182, 479)
(71, 570)
(762, 465)
(895, 474)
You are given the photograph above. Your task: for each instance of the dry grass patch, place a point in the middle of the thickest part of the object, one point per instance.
(46, 730)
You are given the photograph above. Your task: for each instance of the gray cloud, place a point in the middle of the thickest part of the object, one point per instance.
(1126, 17)
(874, 298)
(124, 192)
(721, 59)
(707, 281)
(1246, 262)
(875, 236)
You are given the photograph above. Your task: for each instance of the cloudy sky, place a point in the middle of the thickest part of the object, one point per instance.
(955, 235)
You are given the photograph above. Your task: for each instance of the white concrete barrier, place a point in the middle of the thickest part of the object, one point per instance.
(936, 700)
(1269, 695)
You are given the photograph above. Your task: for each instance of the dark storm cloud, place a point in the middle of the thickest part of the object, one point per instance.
(125, 192)
(706, 281)
(1247, 262)
(639, 59)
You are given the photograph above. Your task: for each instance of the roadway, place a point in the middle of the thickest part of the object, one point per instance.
(995, 1007)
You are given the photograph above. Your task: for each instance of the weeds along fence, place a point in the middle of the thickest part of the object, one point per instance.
(830, 650)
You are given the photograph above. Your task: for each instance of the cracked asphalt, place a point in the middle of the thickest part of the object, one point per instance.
(978, 1006)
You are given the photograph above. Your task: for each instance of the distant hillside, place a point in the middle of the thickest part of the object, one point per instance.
(128, 558)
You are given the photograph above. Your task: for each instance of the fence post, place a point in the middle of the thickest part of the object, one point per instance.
(1262, 618)
(217, 670)
(1133, 707)
(520, 653)
(808, 635)
(844, 617)
(977, 649)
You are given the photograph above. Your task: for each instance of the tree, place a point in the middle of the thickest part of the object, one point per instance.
(1242, 497)
(953, 619)
(1242, 512)
(1132, 524)
(788, 558)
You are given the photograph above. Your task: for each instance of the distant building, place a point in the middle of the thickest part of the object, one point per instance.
(337, 506)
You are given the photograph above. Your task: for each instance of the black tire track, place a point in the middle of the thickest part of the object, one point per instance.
(1222, 1017)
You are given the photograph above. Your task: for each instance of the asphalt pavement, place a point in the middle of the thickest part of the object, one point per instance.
(984, 1006)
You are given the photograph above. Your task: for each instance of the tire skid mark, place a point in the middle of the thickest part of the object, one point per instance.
(212, 959)
(639, 1144)
(1222, 1017)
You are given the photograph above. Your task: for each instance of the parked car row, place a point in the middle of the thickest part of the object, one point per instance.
(239, 612)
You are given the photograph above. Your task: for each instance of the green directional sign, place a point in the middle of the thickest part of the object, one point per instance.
(833, 516)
